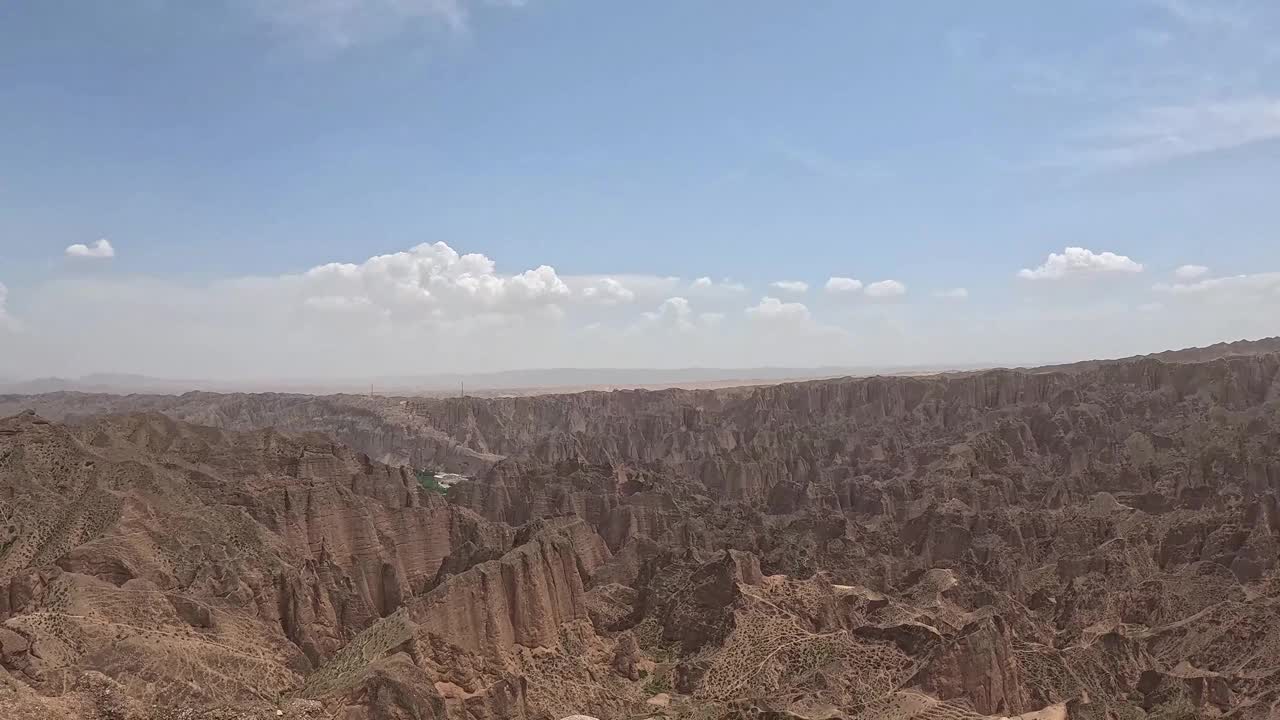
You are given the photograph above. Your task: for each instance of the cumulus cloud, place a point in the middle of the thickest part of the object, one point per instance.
(622, 288)
(337, 303)
(1078, 261)
(428, 306)
(433, 309)
(101, 249)
(431, 281)
(705, 286)
(608, 291)
(790, 286)
(771, 308)
(673, 312)
(843, 285)
(953, 294)
(886, 289)
(1190, 272)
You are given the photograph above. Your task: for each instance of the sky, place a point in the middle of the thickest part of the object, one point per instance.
(246, 189)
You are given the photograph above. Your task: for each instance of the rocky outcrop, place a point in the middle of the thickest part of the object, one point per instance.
(475, 637)
(521, 599)
(134, 536)
(1098, 541)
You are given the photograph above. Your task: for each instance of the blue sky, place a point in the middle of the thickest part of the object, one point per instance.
(937, 145)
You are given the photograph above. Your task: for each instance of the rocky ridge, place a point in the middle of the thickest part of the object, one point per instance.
(1097, 543)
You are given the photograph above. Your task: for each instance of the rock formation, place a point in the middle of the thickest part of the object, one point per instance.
(1090, 542)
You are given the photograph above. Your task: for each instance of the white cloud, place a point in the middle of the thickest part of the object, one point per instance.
(1185, 83)
(330, 25)
(428, 306)
(431, 309)
(1167, 132)
(771, 308)
(1151, 307)
(7, 321)
(431, 281)
(953, 294)
(608, 291)
(673, 312)
(705, 286)
(1190, 272)
(621, 288)
(791, 286)
(886, 289)
(843, 285)
(1074, 261)
(1236, 288)
(99, 250)
(337, 303)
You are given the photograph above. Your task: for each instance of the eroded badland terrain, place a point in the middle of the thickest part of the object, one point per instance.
(1088, 542)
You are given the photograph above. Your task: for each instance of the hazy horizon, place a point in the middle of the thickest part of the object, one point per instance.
(247, 189)
(524, 379)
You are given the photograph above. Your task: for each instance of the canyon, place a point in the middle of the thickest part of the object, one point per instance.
(1090, 541)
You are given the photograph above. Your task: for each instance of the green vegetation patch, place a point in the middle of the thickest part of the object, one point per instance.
(427, 479)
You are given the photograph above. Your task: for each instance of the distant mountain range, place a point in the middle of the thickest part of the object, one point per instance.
(509, 381)
(534, 381)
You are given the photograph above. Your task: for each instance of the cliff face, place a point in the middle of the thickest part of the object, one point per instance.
(929, 453)
(1092, 542)
(136, 541)
(737, 442)
(500, 636)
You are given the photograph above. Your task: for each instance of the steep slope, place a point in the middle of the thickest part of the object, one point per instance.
(1099, 543)
(201, 567)
(470, 435)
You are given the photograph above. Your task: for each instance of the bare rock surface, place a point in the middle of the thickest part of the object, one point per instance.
(1098, 541)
